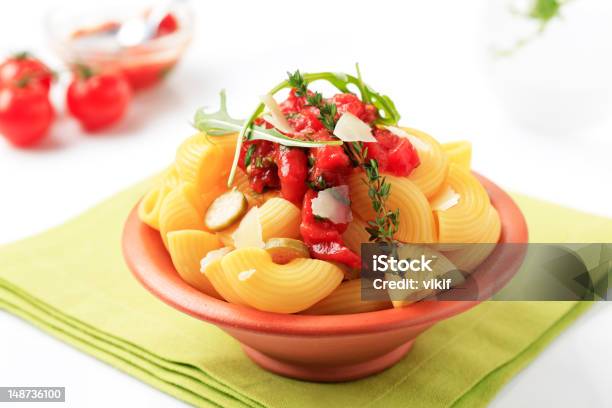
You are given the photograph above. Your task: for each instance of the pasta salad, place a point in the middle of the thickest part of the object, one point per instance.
(270, 212)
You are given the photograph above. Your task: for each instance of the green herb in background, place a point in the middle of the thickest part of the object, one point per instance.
(545, 10)
(540, 11)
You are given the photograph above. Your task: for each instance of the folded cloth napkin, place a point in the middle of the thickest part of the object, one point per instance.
(72, 282)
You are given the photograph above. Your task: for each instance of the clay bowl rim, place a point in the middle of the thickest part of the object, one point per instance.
(150, 263)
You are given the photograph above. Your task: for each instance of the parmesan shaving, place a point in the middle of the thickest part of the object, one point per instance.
(333, 204)
(352, 129)
(276, 117)
(212, 256)
(445, 200)
(249, 233)
(244, 275)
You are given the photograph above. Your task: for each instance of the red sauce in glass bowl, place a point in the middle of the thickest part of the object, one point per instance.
(140, 67)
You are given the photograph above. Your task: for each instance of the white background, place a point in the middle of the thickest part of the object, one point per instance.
(539, 123)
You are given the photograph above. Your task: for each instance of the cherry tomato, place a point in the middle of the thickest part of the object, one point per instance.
(22, 67)
(98, 100)
(25, 113)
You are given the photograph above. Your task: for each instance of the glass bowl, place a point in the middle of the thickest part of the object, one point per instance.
(144, 65)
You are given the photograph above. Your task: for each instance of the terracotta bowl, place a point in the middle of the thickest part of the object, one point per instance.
(317, 348)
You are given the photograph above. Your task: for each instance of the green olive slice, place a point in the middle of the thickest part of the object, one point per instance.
(284, 250)
(225, 210)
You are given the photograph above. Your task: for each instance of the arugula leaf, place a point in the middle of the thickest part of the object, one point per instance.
(389, 114)
(217, 123)
(221, 123)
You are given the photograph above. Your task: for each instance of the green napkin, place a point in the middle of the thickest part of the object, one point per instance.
(72, 283)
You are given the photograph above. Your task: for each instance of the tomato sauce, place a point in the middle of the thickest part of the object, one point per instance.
(301, 173)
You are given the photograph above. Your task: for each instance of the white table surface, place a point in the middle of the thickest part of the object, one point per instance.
(429, 56)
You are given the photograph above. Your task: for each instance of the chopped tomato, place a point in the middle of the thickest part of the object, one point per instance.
(292, 172)
(293, 103)
(330, 164)
(324, 238)
(347, 102)
(259, 164)
(305, 121)
(395, 155)
(335, 252)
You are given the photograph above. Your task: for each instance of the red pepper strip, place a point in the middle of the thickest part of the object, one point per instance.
(324, 238)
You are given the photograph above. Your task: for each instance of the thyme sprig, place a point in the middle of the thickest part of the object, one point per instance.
(386, 222)
(314, 99)
(296, 81)
(327, 115)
